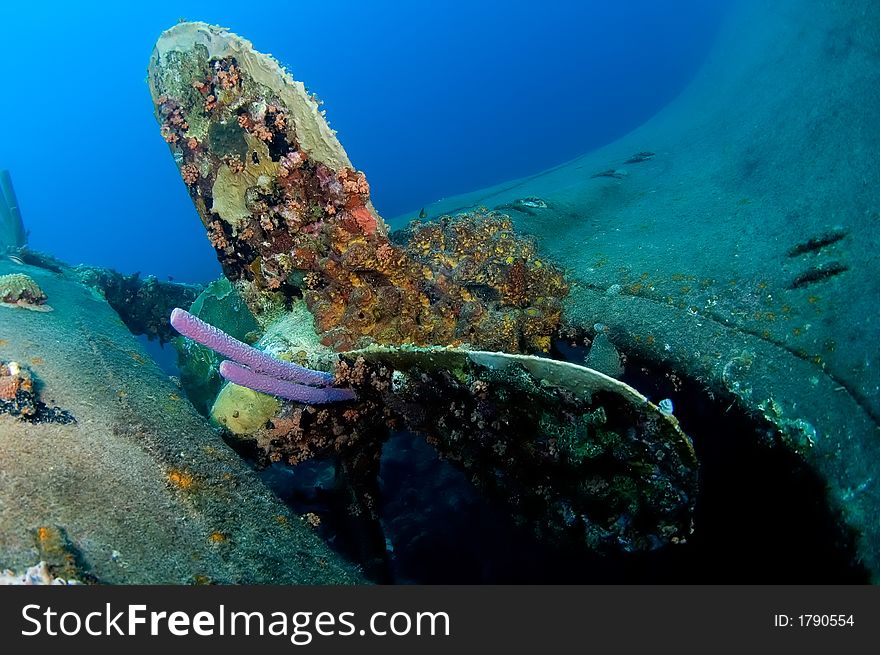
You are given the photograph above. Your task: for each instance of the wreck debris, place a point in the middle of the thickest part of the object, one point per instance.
(143, 304)
(528, 206)
(13, 236)
(531, 202)
(581, 458)
(604, 357)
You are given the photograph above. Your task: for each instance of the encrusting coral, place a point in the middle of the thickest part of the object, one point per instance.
(143, 304)
(20, 290)
(572, 451)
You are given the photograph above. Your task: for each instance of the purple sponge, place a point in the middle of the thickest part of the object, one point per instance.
(245, 377)
(258, 361)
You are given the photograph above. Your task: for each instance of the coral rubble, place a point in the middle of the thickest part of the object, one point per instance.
(20, 290)
(38, 574)
(18, 397)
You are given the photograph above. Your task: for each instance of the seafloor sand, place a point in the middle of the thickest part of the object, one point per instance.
(686, 256)
(144, 490)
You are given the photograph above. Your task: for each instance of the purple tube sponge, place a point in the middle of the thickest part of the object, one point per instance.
(256, 370)
(258, 361)
(245, 377)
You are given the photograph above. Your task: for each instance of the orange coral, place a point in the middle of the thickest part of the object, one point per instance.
(277, 118)
(174, 123)
(236, 165)
(262, 132)
(180, 479)
(228, 78)
(13, 379)
(354, 182)
(217, 236)
(190, 173)
(365, 220)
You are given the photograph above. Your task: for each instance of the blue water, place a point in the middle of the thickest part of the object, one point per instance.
(430, 99)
